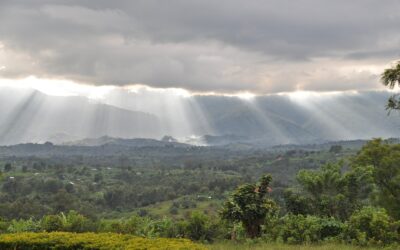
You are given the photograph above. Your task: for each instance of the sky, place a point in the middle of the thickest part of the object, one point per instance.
(207, 46)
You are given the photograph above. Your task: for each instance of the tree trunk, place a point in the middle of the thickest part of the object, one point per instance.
(253, 230)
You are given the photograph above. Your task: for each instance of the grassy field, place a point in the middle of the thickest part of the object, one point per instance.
(264, 246)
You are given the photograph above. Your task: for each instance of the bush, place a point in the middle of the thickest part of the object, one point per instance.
(3, 226)
(300, 229)
(141, 226)
(19, 226)
(371, 226)
(92, 241)
(51, 223)
(199, 227)
(74, 222)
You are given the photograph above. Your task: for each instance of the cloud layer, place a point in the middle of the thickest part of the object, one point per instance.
(260, 46)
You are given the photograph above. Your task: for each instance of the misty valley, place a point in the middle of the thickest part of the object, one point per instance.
(30, 116)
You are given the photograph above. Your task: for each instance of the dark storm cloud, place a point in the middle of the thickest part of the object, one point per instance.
(221, 46)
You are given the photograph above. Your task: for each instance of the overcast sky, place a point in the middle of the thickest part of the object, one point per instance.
(225, 46)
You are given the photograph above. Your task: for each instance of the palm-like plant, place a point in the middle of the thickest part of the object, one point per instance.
(390, 78)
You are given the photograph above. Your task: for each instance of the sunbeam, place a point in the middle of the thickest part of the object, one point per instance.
(70, 111)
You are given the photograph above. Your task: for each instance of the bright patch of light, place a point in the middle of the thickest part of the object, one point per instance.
(246, 96)
(304, 96)
(138, 88)
(301, 95)
(55, 87)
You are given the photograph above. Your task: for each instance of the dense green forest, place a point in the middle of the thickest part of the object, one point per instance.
(297, 195)
(111, 185)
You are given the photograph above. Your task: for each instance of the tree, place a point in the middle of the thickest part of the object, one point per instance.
(328, 192)
(7, 167)
(98, 177)
(336, 149)
(384, 160)
(198, 227)
(390, 78)
(250, 205)
(75, 222)
(371, 225)
(51, 223)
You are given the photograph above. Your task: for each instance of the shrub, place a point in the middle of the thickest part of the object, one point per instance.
(371, 226)
(166, 228)
(75, 222)
(19, 226)
(198, 227)
(136, 225)
(90, 241)
(299, 229)
(3, 226)
(51, 223)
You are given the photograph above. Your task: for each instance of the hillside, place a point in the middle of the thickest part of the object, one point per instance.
(30, 116)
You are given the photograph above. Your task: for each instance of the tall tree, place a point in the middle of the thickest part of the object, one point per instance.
(328, 191)
(391, 78)
(250, 204)
(385, 162)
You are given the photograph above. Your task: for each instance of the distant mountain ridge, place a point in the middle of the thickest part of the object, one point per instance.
(283, 119)
(31, 116)
(135, 142)
(35, 117)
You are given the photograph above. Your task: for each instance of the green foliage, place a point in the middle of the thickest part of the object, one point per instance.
(167, 228)
(3, 226)
(19, 226)
(297, 203)
(96, 185)
(51, 223)
(7, 167)
(199, 227)
(320, 208)
(390, 78)
(327, 192)
(136, 225)
(73, 241)
(250, 205)
(382, 160)
(259, 245)
(370, 226)
(75, 222)
(336, 149)
(300, 229)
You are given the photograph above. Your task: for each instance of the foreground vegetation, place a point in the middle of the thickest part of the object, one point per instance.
(274, 246)
(105, 241)
(44, 241)
(352, 200)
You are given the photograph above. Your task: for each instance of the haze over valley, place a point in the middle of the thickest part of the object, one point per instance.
(29, 115)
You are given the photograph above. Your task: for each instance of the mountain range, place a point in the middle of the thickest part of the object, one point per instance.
(31, 116)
